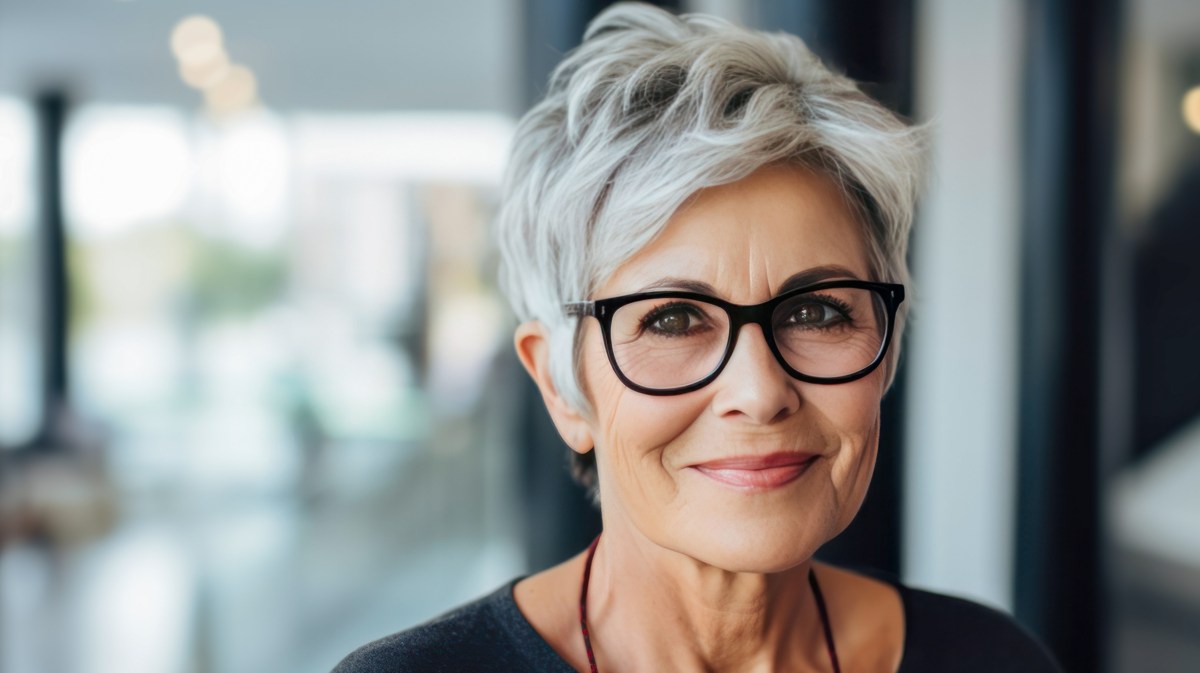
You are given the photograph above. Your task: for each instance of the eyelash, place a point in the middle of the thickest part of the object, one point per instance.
(838, 304)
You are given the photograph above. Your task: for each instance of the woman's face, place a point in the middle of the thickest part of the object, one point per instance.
(659, 457)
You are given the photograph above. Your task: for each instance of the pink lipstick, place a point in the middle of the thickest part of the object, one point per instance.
(757, 472)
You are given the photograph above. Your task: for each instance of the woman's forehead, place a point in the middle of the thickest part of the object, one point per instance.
(778, 227)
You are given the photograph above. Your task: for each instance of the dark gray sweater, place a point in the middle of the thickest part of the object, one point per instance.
(942, 635)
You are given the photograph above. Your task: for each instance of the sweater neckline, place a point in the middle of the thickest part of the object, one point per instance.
(537, 651)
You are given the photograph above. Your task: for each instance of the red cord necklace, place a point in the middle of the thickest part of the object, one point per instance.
(587, 641)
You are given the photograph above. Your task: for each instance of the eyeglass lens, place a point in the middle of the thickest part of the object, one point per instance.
(671, 342)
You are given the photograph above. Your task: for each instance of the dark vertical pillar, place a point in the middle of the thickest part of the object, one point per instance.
(806, 19)
(1067, 168)
(872, 42)
(552, 28)
(51, 110)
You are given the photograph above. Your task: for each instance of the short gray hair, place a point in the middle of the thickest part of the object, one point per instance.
(652, 108)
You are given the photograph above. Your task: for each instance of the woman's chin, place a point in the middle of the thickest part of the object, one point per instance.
(747, 549)
(758, 561)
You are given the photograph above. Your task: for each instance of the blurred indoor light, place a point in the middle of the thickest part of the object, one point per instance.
(1191, 108)
(238, 90)
(251, 180)
(125, 167)
(205, 74)
(196, 39)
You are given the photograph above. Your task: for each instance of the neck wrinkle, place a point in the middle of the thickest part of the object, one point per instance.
(642, 596)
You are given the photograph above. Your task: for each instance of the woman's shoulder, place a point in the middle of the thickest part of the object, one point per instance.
(949, 633)
(958, 634)
(487, 634)
(443, 643)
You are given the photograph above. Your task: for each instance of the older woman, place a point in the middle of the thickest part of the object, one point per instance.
(704, 231)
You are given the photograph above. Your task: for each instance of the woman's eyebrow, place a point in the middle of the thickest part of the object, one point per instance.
(816, 275)
(799, 279)
(688, 285)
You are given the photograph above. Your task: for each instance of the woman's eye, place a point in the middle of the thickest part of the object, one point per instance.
(814, 314)
(672, 321)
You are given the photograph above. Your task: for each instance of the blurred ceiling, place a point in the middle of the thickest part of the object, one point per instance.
(306, 54)
(333, 54)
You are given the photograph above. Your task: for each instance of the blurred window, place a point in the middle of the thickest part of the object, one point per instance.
(1155, 570)
(249, 290)
(20, 345)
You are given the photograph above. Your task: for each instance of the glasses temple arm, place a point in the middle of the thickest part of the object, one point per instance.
(579, 309)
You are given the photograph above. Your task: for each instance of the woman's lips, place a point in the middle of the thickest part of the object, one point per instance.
(757, 472)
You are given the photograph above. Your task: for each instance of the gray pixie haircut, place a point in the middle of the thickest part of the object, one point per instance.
(652, 108)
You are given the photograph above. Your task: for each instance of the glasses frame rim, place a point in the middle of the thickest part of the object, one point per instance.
(741, 315)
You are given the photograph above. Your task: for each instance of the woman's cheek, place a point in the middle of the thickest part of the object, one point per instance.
(641, 432)
(861, 449)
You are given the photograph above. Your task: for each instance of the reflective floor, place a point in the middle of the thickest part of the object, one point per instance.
(1155, 515)
(258, 582)
(376, 537)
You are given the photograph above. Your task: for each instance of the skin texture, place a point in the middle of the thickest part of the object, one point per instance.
(692, 574)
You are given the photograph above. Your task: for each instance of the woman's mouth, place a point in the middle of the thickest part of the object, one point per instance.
(757, 472)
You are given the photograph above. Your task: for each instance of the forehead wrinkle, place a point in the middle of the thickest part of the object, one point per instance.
(763, 262)
(754, 254)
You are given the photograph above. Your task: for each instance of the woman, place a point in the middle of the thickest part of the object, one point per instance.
(704, 231)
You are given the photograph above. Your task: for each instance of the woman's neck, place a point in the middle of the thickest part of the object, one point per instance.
(650, 608)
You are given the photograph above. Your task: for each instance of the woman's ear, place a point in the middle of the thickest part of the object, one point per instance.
(533, 348)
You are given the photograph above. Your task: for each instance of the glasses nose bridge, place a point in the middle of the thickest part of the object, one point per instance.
(758, 314)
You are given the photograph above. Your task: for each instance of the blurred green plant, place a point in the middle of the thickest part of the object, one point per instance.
(229, 280)
(169, 267)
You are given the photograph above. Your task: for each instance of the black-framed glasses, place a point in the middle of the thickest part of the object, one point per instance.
(672, 342)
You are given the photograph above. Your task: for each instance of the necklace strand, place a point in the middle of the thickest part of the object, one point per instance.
(587, 640)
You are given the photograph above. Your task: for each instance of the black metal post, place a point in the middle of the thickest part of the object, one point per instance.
(1067, 169)
(51, 110)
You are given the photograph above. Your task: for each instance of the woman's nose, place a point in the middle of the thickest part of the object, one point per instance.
(753, 384)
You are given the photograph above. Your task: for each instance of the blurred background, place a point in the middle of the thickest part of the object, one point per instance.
(258, 403)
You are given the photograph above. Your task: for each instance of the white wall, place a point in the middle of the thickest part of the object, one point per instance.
(961, 443)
